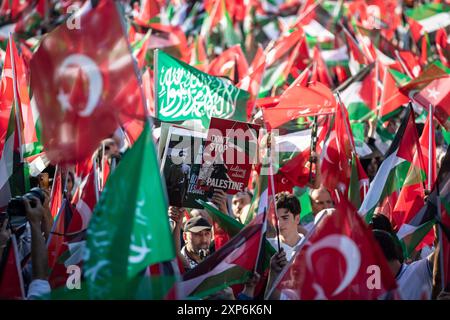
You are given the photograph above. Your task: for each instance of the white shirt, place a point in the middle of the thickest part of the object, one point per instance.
(310, 226)
(415, 280)
(38, 289)
(290, 251)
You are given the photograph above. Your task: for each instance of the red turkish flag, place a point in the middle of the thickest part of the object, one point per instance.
(341, 261)
(300, 100)
(78, 77)
(437, 93)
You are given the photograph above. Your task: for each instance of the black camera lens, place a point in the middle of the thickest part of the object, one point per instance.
(16, 206)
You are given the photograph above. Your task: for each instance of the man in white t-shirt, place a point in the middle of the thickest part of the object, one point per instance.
(288, 215)
(414, 280)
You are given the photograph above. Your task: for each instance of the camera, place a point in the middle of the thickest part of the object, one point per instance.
(16, 206)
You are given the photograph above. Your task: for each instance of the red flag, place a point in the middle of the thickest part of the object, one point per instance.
(320, 70)
(226, 63)
(437, 93)
(84, 206)
(300, 101)
(92, 64)
(11, 281)
(442, 46)
(343, 241)
(337, 153)
(149, 9)
(251, 82)
(391, 97)
(58, 233)
(283, 46)
(56, 194)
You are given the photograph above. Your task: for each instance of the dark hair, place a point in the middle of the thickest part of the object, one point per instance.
(387, 244)
(288, 201)
(381, 222)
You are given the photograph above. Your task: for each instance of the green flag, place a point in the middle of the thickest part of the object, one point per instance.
(130, 228)
(184, 93)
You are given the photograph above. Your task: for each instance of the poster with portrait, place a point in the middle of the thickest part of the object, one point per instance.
(180, 166)
(230, 151)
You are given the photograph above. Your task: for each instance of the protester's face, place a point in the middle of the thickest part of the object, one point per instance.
(111, 148)
(199, 240)
(372, 168)
(287, 222)
(321, 199)
(240, 200)
(69, 183)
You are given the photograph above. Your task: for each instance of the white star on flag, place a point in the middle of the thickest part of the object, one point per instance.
(433, 93)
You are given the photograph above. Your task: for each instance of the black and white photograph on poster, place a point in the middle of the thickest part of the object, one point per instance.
(180, 165)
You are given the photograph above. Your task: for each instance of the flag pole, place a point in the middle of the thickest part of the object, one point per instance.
(312, 148)
(16, 98)
(430, 151)
(261, 239)
(135, 67)
(272, 184)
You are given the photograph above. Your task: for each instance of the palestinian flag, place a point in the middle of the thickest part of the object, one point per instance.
(11, 280)
(279, 60)
(357, 94)
(232, 227)
(218, 15)
(139, 50)
(411, 197)
(149, 12)
(391, 97)
(430, 16)
(359, 183)
(198, 56)
(231, 264)
(13, 170)
(384, 189)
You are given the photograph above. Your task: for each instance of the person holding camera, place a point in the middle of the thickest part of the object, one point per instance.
(39, 286)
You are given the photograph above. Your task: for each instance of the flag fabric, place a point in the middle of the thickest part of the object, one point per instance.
(441, 189)
(359, 183)
(390, 178)
(13, 170)
(11, 280)
(315, 99)
(357, 95)
(184, 93)
(129, 229)
(71, 83)
(411, 197)
(341, 239)
(430, 16)
(437, 93)
(337, 150)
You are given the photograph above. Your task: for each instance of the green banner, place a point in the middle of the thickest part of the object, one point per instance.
(182, 92)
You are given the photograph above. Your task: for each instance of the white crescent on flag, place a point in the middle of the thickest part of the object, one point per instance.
(91, 70)
(349, 250)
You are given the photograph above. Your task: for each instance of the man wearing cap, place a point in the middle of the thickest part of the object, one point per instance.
(197, 236)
